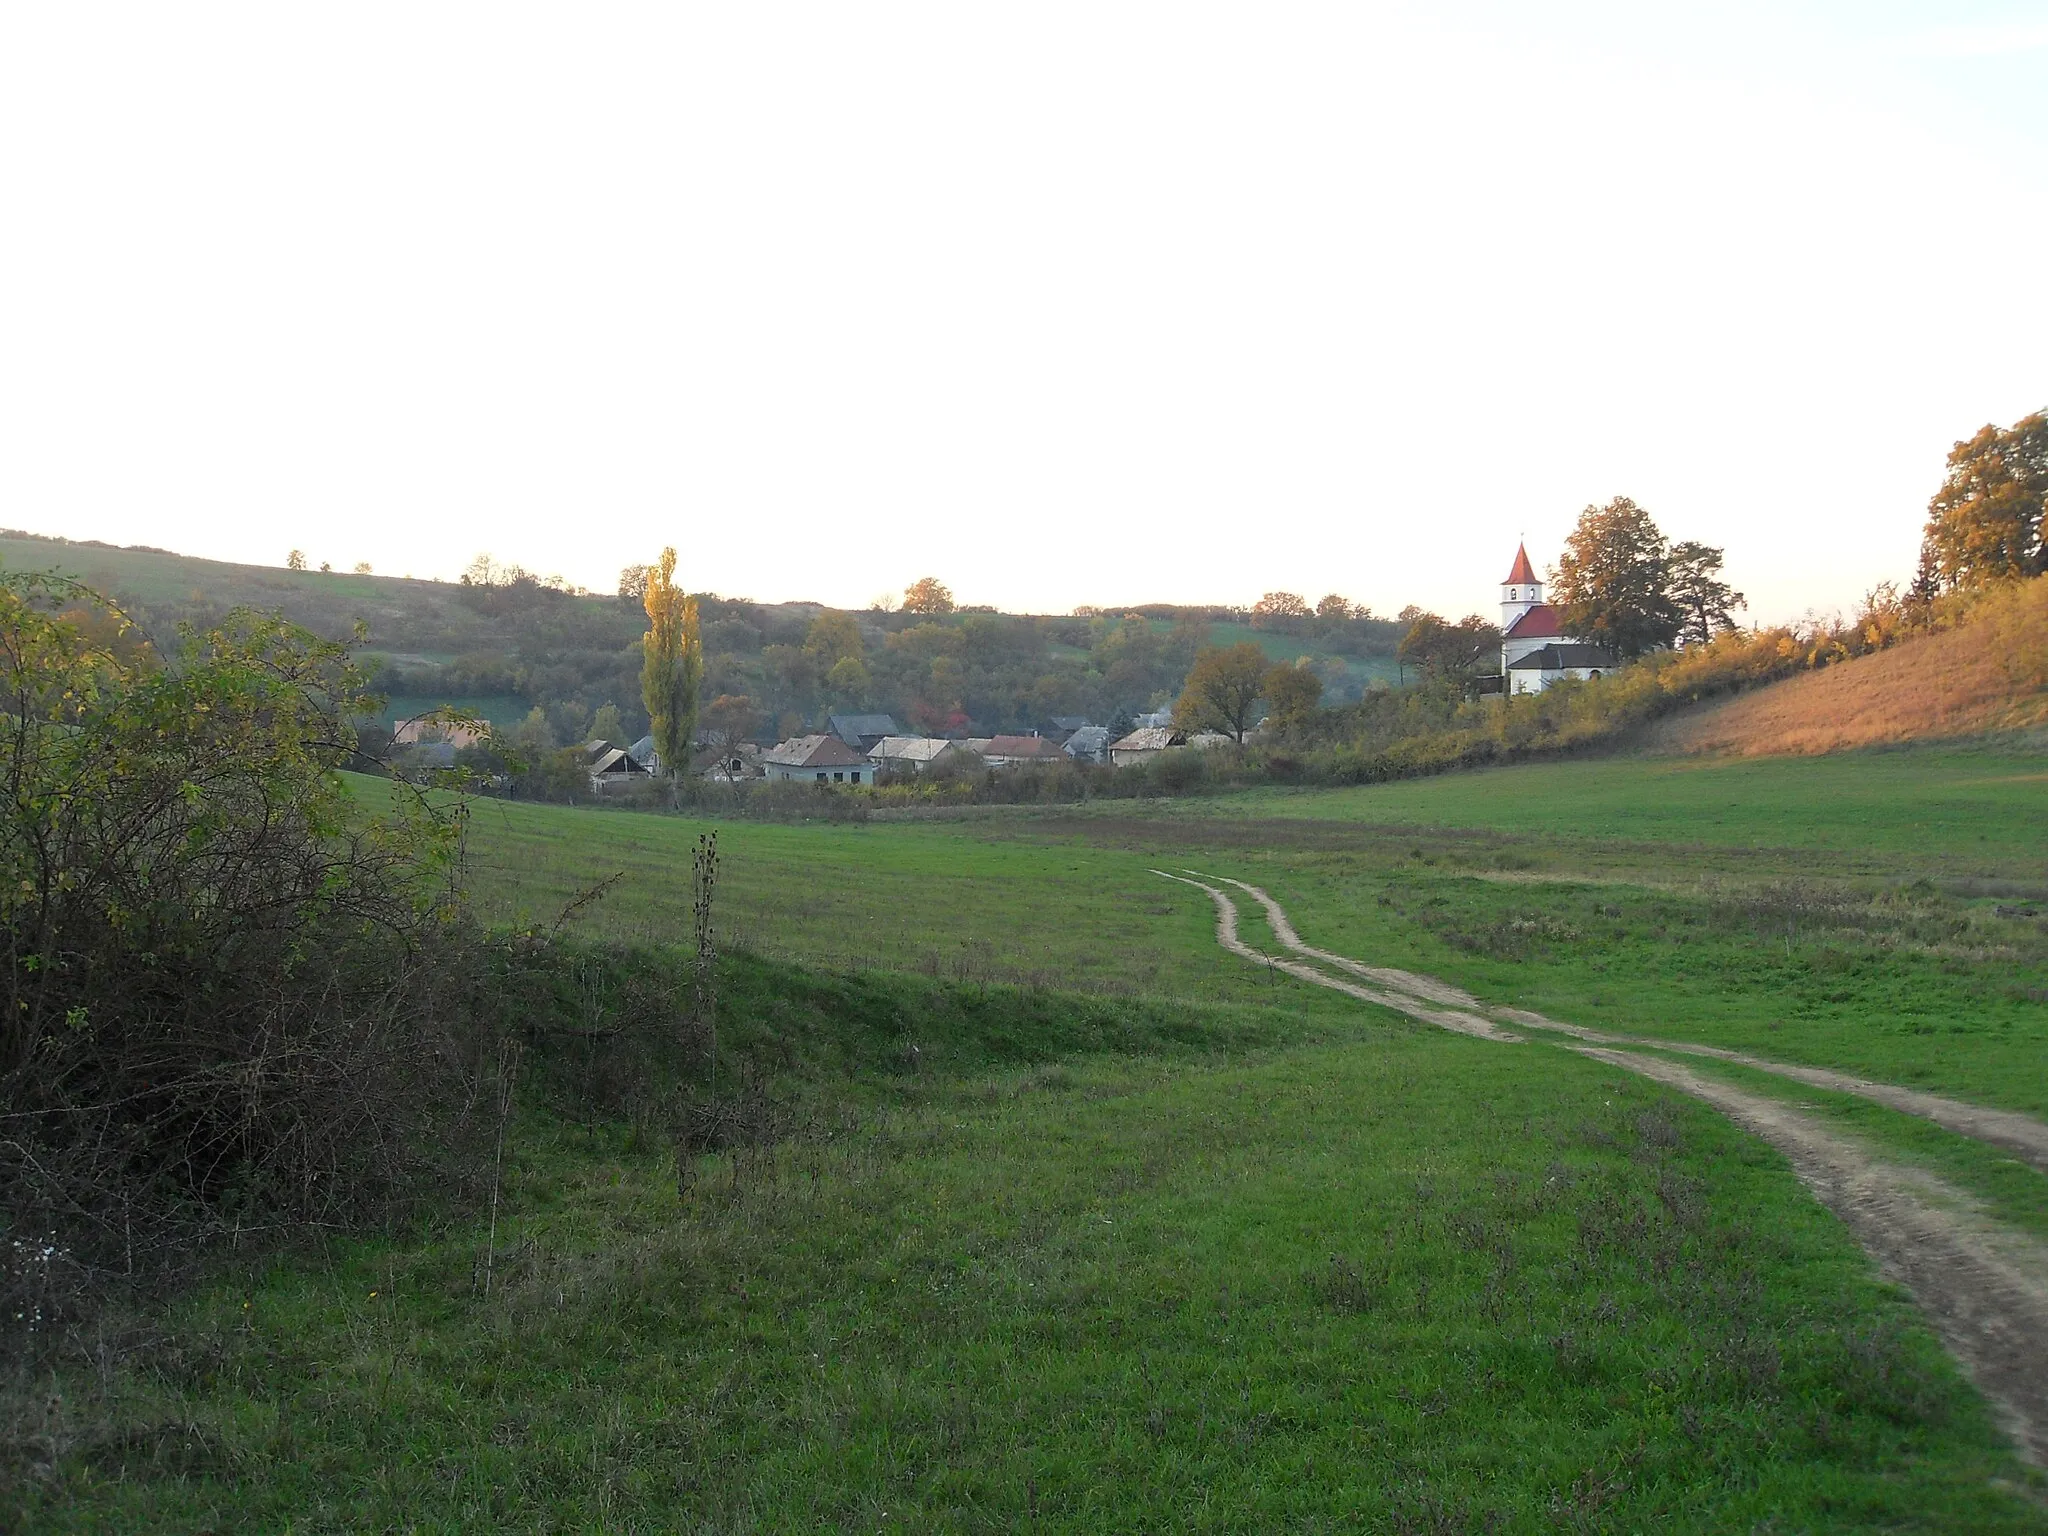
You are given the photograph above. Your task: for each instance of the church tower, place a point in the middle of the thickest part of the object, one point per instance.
(1521, 591)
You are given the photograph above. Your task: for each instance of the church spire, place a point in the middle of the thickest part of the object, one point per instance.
(1523, 574)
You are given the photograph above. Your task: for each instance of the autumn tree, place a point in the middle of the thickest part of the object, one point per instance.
(927, 595)
(1292, 694)
(1333, 606)
(633, 583)
(672, 665)
(1280, 611)
(833, 638)
(295, 561)
(1707, 602)
(1223, 689)
(1439, 649)
(1613, 582)
(1985, 524)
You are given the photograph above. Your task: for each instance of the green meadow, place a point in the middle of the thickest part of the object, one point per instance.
(1057, 1216)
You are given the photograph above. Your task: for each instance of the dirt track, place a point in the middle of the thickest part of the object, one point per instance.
(2025, 1138)
(1984, 1289)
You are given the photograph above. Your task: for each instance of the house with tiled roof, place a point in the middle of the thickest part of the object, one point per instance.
(818, 759)
(1020, 751)
(1534, 649)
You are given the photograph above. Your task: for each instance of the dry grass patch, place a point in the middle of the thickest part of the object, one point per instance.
(1988, 674)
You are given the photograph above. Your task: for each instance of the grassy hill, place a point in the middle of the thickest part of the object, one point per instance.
(504, 650)
(1989, 674)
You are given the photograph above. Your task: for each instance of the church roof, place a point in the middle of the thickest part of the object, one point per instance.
(1541, 622)
(1524, 574)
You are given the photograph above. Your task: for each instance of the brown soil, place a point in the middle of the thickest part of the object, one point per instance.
(1984, 1289)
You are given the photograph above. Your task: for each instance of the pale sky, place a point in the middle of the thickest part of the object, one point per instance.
(1088, 303)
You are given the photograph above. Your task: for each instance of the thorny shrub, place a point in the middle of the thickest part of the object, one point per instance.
(231, 996)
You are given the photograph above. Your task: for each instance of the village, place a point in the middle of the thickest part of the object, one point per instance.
(868, 749)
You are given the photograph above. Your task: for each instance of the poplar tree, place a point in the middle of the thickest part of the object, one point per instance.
(672, 668)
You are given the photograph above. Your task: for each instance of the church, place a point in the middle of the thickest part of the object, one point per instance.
(1534, 649)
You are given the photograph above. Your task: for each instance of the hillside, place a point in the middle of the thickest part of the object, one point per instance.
(1988, 674)
(503, 650)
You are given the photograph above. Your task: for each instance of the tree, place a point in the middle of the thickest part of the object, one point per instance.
(672, 665)
(834, 637)
(1222, 690)
(295, 561)
(1281, 611)
(1292, 694)
(927, 595)
(1442, 650)
(730, 719)
(362, 568)
(633, 583)
(1707, 602)
(606, 725)
(1333, 607)
(849, 682)
(1985, 524)
(1613, 583)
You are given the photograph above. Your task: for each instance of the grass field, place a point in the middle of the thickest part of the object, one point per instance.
(1410, 1284)
(1080, 1223)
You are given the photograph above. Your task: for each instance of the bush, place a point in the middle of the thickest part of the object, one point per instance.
(231, 999)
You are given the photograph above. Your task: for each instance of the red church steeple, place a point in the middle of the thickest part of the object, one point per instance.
(1524, 574)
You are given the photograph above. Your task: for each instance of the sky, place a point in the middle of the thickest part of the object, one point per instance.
(1064, 304)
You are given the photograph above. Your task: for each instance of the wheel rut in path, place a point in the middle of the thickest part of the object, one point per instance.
(2020, 1135)
(1984, 1289)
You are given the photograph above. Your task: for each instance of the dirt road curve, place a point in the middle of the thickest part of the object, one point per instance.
(2025, 1138)
(1984, 1289)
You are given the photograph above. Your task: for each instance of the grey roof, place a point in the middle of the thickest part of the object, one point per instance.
(642, 751)
(1088, 741)
(814, 752)
(615, 760)
(1069, 722)
(909, 749)
(851, 728)
(1557, 658)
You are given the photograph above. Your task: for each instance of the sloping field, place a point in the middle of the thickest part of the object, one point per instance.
(1990, 674)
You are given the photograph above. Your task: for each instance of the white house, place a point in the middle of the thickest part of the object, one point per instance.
(1534, 649)
(908, 754)
(817, 760)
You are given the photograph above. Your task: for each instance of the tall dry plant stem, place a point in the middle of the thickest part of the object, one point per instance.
(703, 886)
(508, 1074)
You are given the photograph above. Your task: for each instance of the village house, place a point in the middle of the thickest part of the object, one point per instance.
(612, 766)
(1019, 751)
(908, 754)
(728, 764)
(861, 732)
(416, 733)
(1061, 728)
(1534, 649)
(1144, 744)
(1088, 744)
(818, 760)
